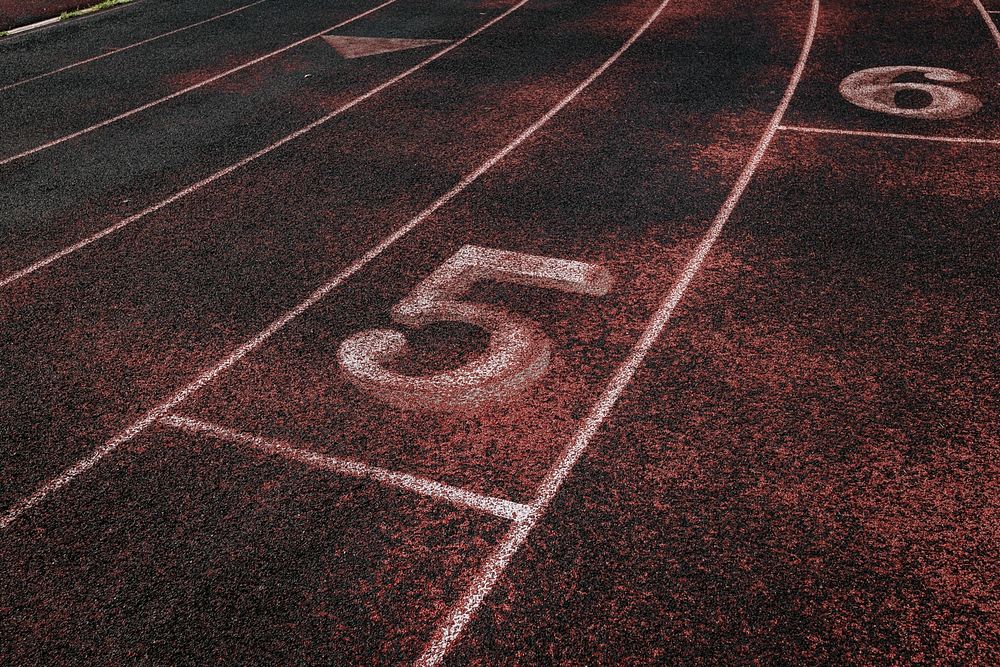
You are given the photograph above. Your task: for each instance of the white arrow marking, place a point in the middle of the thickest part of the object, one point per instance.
(359, 47)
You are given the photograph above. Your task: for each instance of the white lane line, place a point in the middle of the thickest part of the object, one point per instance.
(184, 91)
(990, 23)
(505, 509)
(164, 408)
(497, 563)
(127, 47)
(194, 187)
(888, 135)
(32, 26)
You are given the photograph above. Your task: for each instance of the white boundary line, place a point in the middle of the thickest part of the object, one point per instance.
(194, 187)
(990, 23)
(124, 48)
(184, 91)
(888, 135)
(505, 509)
(498, 561)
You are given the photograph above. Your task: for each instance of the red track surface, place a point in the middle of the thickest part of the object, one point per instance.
(774, 440)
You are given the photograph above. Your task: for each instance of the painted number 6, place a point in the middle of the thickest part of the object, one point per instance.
(875, 89)
(518, 350)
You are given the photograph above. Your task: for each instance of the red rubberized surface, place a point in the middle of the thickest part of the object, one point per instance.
(773, 440)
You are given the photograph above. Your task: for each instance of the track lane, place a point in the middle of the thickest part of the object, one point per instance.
(39, 534)
(105, 93)
(269, 381)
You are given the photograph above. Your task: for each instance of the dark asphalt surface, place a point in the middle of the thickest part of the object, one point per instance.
(803, 471)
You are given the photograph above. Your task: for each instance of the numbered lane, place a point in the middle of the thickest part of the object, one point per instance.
(630, 197)
(906, 37)
(625, 177)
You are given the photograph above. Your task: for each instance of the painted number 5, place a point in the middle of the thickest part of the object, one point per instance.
(875, 89)
(518, 350)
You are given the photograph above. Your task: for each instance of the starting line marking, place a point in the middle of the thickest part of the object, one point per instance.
(112, 52)
(888, 135)
(505, 509)
(184, 91)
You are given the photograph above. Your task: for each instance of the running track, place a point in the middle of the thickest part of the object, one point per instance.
(770, 437)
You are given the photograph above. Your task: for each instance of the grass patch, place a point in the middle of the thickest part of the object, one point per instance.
(105, 4)
(3, 33)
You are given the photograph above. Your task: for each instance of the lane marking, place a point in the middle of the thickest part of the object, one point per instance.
(990, 23)
(460, 615)
(361, 47)
(888, 135)
(194, 187)
(505, 509)
(126, 48)
(164, 408)
(184, 91)
(33, 26)
(519, 350)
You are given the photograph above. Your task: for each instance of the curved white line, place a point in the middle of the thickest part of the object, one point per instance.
(990, 23)
(184, 91)
(497, 563)
(127, 47)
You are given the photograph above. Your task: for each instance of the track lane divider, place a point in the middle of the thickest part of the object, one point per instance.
(991, 25)
(888, 135)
